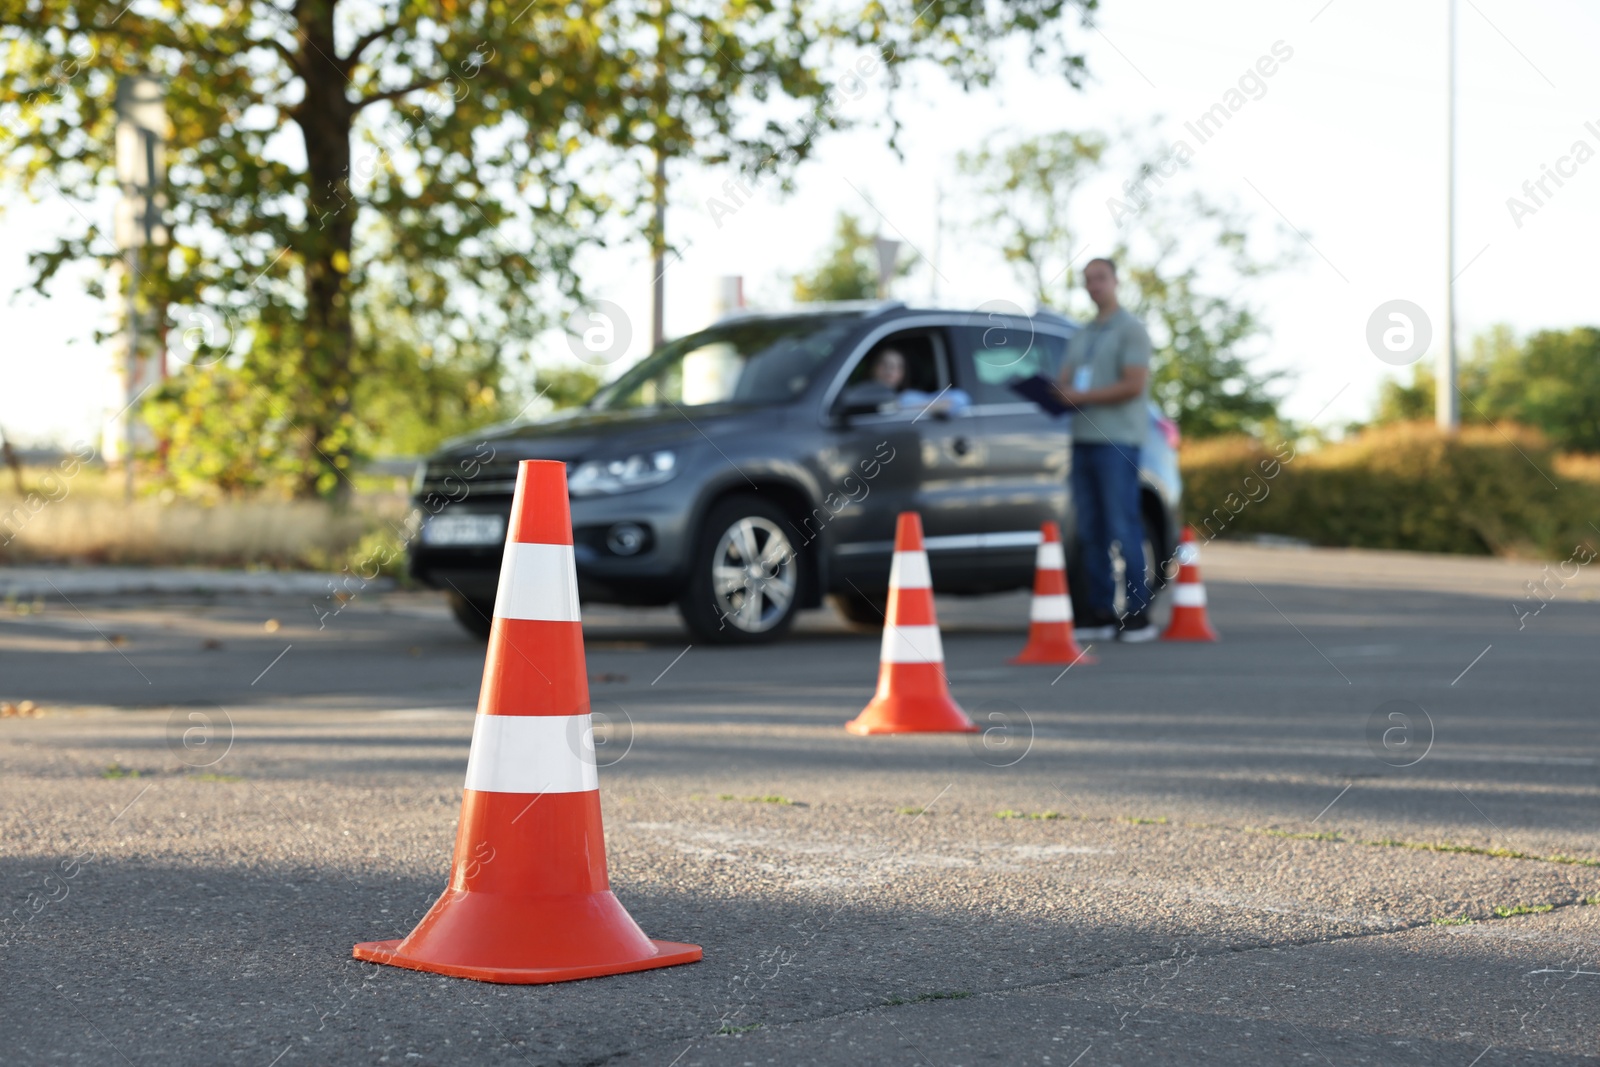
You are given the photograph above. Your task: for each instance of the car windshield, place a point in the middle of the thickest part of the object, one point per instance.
(757, 361)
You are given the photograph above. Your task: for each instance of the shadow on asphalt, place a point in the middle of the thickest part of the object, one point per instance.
(211, 963)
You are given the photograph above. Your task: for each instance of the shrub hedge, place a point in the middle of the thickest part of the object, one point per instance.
(1482, 491)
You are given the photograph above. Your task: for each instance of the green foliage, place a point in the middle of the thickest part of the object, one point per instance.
(471, 147)
(568, 387)
(1199, 377)
(1026, 192)
(1200, 374)
(849, 268)
(1179, 261)
(1558, 387)
(1551, 381)
(1406, 486)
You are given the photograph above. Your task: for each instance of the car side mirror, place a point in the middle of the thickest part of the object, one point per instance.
(865, 398)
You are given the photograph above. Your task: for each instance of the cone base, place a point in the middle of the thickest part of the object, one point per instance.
(1050, 655)
(915, 715)
(526, 938)
(1190, 624)
(667, 954)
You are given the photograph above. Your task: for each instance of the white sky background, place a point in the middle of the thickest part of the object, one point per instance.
(1347, 143)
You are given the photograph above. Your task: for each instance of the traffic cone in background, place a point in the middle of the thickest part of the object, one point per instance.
(529, 900)
(1189, 622)
(1050, 637)
(913, 696)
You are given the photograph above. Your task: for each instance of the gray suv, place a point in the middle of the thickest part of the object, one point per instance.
(751, 469)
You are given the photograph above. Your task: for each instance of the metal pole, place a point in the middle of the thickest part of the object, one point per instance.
(658, 238)
(1446, 409)
(131, 261)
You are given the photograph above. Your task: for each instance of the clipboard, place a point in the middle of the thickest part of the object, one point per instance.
(1041, 391)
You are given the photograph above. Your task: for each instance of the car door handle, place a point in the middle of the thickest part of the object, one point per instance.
(959, 446)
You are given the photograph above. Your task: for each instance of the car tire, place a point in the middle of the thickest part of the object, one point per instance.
(474, 616)
(862, 610)
(733, 600)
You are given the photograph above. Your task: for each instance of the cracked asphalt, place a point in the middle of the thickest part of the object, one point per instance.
(1229, 854)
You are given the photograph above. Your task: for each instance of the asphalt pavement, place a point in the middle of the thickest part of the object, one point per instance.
(1186, 854)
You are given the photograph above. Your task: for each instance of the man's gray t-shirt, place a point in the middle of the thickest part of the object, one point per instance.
(1096, 356)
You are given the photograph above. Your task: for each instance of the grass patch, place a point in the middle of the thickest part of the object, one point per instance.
(92, 524)
(728, 1030)
(1524, 909)
(1429, 846)
(209, 777)
(959, 994)
(770, 798)
(117, 770)
(1325, 835)
(1009, 814)
(1139, 820)
(1460, 920)
(912, 811)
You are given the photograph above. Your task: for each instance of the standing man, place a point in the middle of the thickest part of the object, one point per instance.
(1106, 377)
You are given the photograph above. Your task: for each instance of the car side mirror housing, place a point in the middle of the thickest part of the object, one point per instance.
(865, 398)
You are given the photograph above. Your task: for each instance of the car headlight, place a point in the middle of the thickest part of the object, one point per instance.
(600, 476)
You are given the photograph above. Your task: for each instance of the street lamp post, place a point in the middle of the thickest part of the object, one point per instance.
(888, 252)
(1446, 408)
(141, 172)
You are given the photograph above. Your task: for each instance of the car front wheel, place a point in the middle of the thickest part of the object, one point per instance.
(475, 616)
(744, 581)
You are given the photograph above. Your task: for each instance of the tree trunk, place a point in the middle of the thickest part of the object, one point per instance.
(321, 380)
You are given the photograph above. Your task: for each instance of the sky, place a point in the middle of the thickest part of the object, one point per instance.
(1341, 149)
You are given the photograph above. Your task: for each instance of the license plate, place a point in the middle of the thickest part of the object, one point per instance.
(464, 530)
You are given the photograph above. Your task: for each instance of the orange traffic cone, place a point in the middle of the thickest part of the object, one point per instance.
(913, 696)
(1050, 637)
(1189, 622)
(529, 900)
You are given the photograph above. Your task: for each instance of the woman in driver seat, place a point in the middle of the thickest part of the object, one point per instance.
(889, 368)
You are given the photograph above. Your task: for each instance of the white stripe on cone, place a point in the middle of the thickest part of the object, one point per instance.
(1189, 595)
(532, 754)
(912, 644)
(1053, 608)
(910, 571)
(538, 582)
(1049, 557)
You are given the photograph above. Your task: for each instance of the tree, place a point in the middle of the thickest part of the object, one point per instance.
(1550, 381)
(1027, 191)
(1184, 259)
(406, 122)
(1201, 376)
(849, 267)
(452, 156)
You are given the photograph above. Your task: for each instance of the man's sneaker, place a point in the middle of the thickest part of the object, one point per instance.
(1136, 628)
(1095, 626)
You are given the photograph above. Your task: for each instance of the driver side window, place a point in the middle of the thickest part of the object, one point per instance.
(911, 362)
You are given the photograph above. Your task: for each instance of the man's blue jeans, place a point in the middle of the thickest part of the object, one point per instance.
(1105, 494)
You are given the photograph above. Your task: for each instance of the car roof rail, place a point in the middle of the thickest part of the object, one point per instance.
(1045, 312)
(820, 307)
